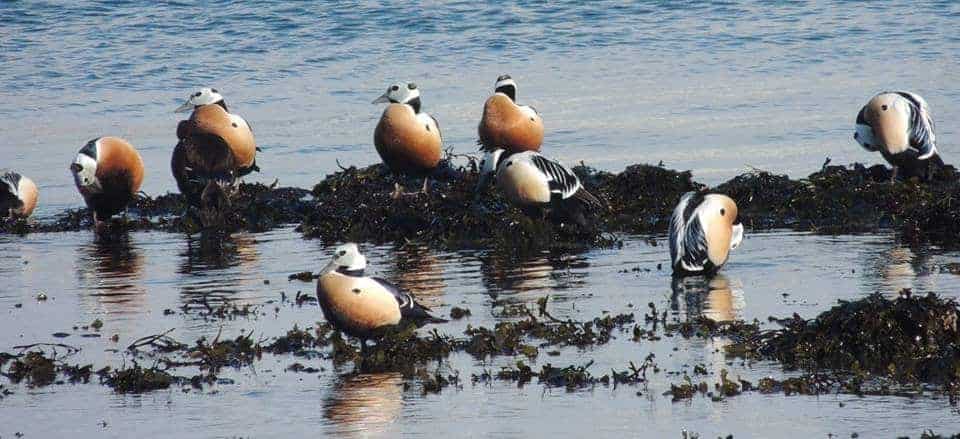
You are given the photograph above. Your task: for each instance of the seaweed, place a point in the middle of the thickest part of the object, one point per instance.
(358, 204)
(908, 339)
(136, 379)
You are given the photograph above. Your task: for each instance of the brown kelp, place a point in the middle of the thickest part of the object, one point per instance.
(356, 204)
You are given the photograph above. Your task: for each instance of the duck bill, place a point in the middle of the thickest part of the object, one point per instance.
(382, 99)
(331, 266)
(187, 106)
(737, 237)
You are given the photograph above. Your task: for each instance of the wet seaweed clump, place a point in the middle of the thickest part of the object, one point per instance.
(300, 342)
(357, 204)
(399, 350)
(909, 339)
(571, 377)
(34, 368)
(216, 354)
(136, 379)
(509, 338)
(642, 197)
(705, 327)
(457, 313)
(254, 207)
(851, 198)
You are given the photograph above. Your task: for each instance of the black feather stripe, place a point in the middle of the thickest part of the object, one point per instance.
(694, 244)
(919, 134)
(560, 178)
(861, 119)
(90, 149)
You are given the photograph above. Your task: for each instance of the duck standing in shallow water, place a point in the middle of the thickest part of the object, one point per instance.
(18, 195)
(215, 148)
(703, 230)
(108, 172)
(361, 306)
(538, 185)
(898, 125)
(408, 140)
(507, 125)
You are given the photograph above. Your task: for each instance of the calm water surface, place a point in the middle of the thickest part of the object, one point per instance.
(713, 87)
(128, 285)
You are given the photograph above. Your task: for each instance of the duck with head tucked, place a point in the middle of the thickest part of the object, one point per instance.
(899, 125)
(703, 230)
(108, 172)
(18, 195)
(214, 150)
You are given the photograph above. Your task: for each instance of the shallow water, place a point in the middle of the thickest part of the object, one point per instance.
(713, 87)
(129, 284)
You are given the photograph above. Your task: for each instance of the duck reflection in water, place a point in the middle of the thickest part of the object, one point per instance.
(218, 251)
(110, 269)
(419, 269)
(899, 268)
(539, 272)
(364, 404)
(220, 266)
(717, 298)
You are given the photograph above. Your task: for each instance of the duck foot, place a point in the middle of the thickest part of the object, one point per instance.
(398, 191)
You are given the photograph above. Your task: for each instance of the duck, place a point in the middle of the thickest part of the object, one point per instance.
(361, 306)
(898, 124)
(18, 195)
(108, 172)
(215, 147)
(408, 140)
(538, 185)
(703, 230)
(506, 124)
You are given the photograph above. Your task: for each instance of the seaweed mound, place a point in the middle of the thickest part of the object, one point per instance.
(910, 339)
(359, 205)
(840, 199)
(362, 204)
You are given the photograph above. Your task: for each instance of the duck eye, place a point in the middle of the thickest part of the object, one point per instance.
(412, 86)
(214, 90)
(722, 212)
(341, 253)
(395, 88)
(196, 95)
(883, 107)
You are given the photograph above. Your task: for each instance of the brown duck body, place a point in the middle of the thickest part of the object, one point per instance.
(507, 125)
(214, 146)
(119, 172)
(408, 142)
(359, 306)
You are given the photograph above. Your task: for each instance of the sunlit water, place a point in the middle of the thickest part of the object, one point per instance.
(128, 285)
(712, 87)
(716, 88)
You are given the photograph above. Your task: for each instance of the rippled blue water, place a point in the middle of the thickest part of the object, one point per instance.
(715, 87)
